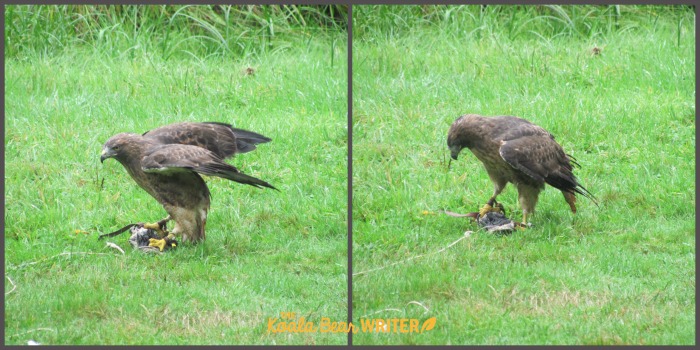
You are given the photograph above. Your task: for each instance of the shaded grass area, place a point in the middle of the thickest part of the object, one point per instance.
(621, 274)
(266, 252)
(171, 30)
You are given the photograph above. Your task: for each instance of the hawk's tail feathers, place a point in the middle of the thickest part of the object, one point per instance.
(577, 188)
(584, 192)
(573, 161)
(249, 180)
(245, 140)
(566, 182)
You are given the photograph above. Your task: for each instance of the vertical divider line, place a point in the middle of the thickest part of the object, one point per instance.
(2, 169)
(697, 177)
(349, 32)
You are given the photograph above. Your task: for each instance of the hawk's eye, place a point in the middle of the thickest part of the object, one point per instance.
(115, 148)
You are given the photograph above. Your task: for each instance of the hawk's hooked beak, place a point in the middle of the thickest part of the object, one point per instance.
(106, 153)
(454, 149)
(454, 152)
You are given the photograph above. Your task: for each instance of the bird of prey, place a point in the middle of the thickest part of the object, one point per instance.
(516, 151)
(167, 162)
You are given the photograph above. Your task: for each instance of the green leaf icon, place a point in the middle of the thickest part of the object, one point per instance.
(428, 324)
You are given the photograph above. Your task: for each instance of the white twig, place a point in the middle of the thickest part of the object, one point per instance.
(55, 256)
(14, 286)
(466, 235)
(112, 245)
(419, 304)
(398, 310)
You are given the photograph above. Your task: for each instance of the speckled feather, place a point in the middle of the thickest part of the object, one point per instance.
(222, 139)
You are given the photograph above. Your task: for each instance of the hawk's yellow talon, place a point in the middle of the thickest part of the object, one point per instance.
(153, 226)
(488, 208)
(160, 230)
(499, 207)
(166, 242)
(485, 209)
(158, 243)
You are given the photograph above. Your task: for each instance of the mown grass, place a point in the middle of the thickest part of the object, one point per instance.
(619, 274)
(266, 252)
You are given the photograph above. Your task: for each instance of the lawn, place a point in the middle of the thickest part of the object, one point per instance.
(615, 85)
(266, 252)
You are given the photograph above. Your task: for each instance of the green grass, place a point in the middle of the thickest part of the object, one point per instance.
(171, 31)
(619, 274)
(266, 252)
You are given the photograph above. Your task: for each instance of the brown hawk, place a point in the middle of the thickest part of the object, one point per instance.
(167, 162)
(516, 151)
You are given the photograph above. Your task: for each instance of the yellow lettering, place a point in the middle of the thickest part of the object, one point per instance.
(325, 324)
(404, 325)
(270, 324)
(414, 325)
(343, 327)
(394, 323)
(287, 315)
(367, 325)
(381, 326)
(309, 327)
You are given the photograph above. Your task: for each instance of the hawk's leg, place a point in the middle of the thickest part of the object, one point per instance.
(523, 225)
(527, 195)
(498, 186)
(491, 206)
(159, 226)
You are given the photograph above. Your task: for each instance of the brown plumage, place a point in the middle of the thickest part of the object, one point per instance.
(167, 162)
(516, 151)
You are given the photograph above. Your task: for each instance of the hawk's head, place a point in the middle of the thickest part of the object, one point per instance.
(466, 131)
(456, 138)
(118, 147)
